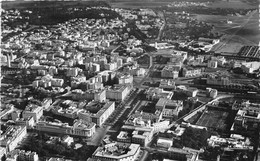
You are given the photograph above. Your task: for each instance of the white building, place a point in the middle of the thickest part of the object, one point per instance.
(164, 142)
(12, 136)
(212, 64)
(117, 152)
(118, 92)
(79, 128)
(97, 113)
(34, 111)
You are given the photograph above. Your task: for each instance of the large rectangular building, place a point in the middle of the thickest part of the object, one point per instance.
(97, 112)
(79, 128)
(12, 136)
(96, 95)
(118, 92)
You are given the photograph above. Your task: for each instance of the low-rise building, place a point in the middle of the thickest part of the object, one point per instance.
(34, 111)
(22, 155)
(79, 128)
(97, 112)
(164, 142)
(216, 79)
(168, 84)
(12, 136)
(124, 78)
(250, 67)
(170, 108)
(118, 92)
(169, 72)
(157, 93)
(117, 152)
(191, 72)
(212, 64)
(96, 95)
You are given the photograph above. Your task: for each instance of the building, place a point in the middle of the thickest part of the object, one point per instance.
(168, 84)
(212, 64)
(97, 112)
(124, 137)
(137, 134)
(246, 119)
(216, 79)
(157, 93)
(67, 140)
(148, 120)
(250, 67)
(124, 78)
(12, 136)
(191, 72)
(235, 142)
(96, 95)
(73, 72)
(169, 72)
(117, 152)
(28, 122)
(164, 142)
(79, 128)
(189, 91)
(22, 155)
(48, 81)
(34, 111)
(211, 92)
(111, 66)
(118, 92)
(184, 153)
(170, 108)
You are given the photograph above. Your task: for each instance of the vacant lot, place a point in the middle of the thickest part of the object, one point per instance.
(213, 119)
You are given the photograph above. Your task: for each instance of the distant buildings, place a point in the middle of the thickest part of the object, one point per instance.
(79, 128)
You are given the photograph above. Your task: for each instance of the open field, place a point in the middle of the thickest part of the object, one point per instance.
(241, 30)
(233, 4)
(213, 119)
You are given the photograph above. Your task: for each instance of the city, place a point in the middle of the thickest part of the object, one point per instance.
(130, 81)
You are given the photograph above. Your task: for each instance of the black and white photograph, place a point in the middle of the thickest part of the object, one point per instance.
(130, 80)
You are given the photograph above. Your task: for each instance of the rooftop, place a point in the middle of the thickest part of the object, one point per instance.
(117, 150)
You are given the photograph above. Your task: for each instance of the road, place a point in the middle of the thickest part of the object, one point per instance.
(161, 14)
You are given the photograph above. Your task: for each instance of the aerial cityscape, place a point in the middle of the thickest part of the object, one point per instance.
(130, 80)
